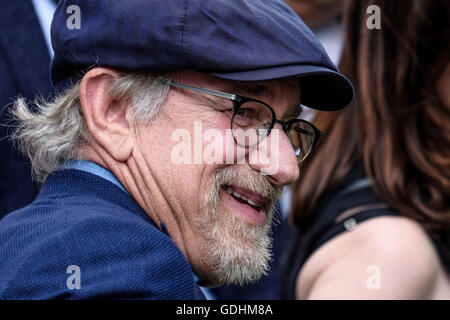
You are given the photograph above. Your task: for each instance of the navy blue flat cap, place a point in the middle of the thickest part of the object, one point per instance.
(240, 40)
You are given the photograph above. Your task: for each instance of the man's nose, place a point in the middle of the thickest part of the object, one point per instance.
(275, 157)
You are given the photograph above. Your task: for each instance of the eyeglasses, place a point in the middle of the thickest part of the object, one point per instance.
(253, 120)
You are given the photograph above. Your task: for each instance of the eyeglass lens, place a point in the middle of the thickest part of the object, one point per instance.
(253, 121)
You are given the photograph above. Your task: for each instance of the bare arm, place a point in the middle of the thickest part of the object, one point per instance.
(383, 258)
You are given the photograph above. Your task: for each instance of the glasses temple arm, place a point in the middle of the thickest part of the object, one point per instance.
(201, 90)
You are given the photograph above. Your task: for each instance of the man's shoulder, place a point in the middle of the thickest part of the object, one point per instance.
(118, 252)
(61, 214)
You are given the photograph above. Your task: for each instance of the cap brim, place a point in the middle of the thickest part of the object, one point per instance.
(321, 87)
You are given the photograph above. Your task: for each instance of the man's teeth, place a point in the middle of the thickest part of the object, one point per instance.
(240, 196)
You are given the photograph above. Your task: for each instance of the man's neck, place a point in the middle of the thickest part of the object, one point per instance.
(144, 188)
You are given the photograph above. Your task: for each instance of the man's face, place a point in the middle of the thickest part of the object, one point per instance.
(221, 208)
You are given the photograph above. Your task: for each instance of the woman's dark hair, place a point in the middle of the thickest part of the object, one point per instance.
(398, 127)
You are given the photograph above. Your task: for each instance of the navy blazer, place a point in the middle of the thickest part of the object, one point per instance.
(25, 71)
(80, 220)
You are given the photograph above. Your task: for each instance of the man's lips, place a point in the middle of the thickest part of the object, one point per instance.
(253, 198)
(250, 204)
(252, 214)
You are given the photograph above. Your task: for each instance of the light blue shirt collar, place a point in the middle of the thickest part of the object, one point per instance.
(93, 168)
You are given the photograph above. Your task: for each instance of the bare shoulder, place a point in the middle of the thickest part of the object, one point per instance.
(382, 258)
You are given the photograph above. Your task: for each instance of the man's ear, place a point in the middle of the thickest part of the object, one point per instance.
(106, 118)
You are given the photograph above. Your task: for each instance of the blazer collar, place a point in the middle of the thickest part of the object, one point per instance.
(71, 182)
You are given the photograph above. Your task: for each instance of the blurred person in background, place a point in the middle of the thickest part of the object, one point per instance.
(25, 53)
(372, 210)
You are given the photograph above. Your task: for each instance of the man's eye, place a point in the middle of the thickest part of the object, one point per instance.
(242, 112)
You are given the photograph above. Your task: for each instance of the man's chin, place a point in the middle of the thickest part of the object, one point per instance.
(236, 251)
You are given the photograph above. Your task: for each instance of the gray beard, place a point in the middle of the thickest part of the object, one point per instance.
(235, 252)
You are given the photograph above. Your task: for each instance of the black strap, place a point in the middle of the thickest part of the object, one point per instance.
(352, 221)
(349, 218)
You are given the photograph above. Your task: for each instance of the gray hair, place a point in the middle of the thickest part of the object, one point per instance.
(57, 130)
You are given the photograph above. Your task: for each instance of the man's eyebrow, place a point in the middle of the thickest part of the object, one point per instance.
(294, 112)
(252, 90)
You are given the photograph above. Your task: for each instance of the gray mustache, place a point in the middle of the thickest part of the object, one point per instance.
(249, 180)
